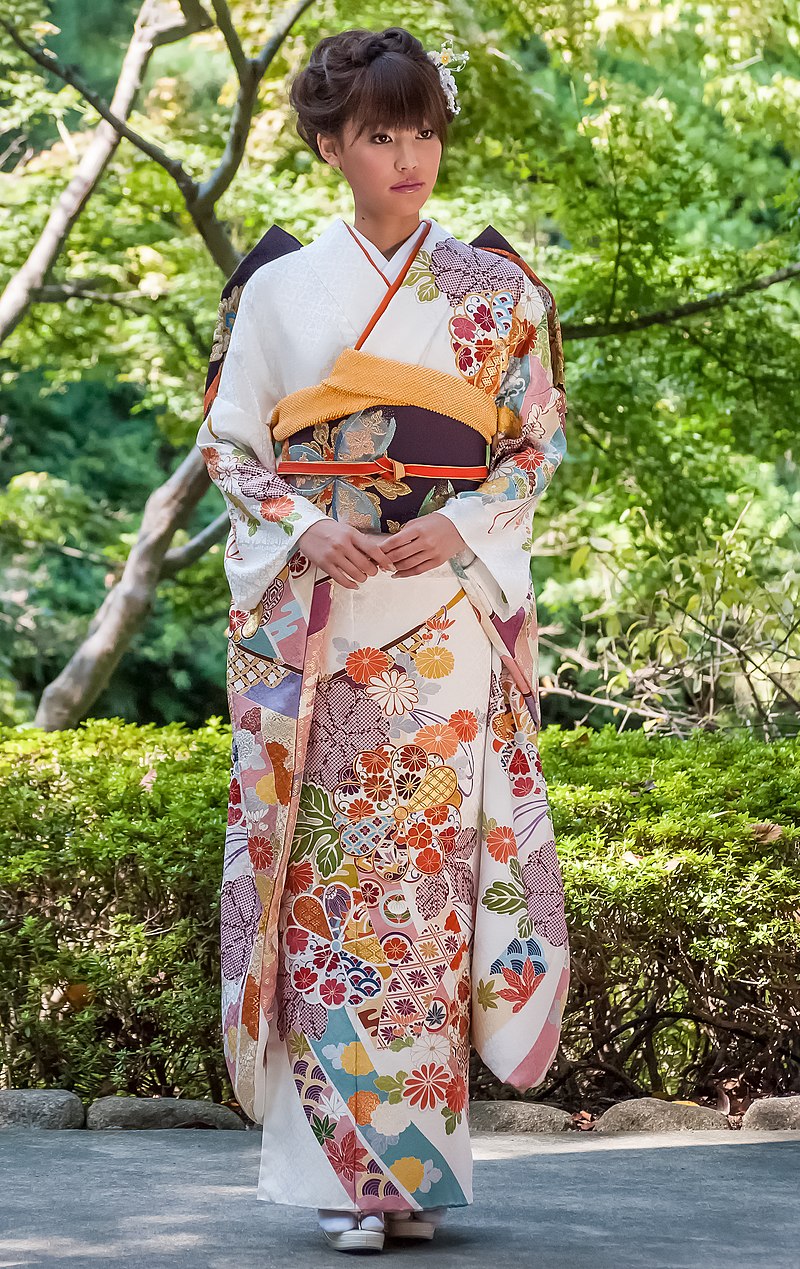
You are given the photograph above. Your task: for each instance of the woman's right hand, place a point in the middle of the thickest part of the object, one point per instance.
(346, 555)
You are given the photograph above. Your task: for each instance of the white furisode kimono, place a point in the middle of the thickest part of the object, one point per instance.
(391, 890)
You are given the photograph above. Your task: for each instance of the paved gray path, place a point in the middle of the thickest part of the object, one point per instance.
(186, 1200)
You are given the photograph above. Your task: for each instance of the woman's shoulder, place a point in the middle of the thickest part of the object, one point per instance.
(268, 280)
(481, 265)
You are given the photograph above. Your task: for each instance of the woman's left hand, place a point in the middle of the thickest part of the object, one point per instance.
(423, 544)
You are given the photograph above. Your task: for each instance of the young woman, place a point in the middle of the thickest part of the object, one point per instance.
(382, 419)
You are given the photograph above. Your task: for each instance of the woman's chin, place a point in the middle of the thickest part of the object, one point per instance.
(406, 202)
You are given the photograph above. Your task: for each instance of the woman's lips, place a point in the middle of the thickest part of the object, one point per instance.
(408, 185)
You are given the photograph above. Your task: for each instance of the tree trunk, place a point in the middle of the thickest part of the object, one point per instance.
(68, 698)
(65, 701)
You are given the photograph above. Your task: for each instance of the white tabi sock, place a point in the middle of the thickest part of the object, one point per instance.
(431, 1215)
(332, 1221)
(373, 1222)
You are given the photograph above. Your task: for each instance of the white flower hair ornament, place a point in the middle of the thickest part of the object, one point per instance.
(446, 61)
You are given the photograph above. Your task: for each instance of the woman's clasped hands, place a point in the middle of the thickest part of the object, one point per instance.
(423, 544)
(349, 556)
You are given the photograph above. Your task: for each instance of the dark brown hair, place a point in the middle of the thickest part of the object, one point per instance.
(369, 79)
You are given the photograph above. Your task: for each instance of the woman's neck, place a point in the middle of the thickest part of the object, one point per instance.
(387, 233)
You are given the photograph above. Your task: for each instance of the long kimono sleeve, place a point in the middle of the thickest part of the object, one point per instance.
(495, 520)
(267, 515)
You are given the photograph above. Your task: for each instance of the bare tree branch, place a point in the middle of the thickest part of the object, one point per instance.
(71, 552)
(716, 299)
(59, 293)
(231, 36)
(573, 695)
(195, 19)
(78, 685)
(212, 189)
(71, 76)
(736, 649)
(16, 144)
(200, 198)
(181, 557)
(129, 302)
(195, 16)
(175, 560)
(195, 13)
(153, 24)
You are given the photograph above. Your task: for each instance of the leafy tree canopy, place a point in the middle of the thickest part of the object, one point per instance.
(643, 156)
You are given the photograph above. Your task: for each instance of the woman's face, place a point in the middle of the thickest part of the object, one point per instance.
(391, 173)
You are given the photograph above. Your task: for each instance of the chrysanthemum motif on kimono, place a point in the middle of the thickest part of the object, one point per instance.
(399, 811)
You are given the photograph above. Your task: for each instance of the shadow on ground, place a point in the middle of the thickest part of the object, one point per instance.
(186, 1200)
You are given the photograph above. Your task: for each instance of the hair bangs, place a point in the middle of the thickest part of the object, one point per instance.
(398, 94)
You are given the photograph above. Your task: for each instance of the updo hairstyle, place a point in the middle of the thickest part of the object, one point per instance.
(370, 79)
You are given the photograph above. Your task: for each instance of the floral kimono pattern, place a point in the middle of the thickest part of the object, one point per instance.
(391, 887)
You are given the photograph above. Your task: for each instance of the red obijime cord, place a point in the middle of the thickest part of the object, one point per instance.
(389, 468)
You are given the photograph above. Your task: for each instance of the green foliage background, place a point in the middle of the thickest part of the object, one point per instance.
(640, 155)
(680, 863)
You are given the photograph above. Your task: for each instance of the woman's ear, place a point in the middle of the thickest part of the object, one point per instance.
(329, 149)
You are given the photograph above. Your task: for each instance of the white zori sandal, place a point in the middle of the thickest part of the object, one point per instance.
(352, 1231)
(417, 1225)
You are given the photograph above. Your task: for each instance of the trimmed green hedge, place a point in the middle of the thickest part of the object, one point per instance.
(682, 867)
(109, 899)
(681, 862)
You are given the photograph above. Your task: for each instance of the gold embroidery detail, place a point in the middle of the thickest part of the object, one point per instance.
(245, 671)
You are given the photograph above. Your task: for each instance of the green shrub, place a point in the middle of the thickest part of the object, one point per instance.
(109, 893)
(681, 866)
(680, 861)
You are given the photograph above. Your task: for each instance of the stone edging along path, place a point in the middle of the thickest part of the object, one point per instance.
(58, 1108)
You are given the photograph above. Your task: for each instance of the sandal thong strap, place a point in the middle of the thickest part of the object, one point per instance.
(356, 1240)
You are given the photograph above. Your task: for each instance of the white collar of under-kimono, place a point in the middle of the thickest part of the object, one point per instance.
(389, 267)
(355, 272)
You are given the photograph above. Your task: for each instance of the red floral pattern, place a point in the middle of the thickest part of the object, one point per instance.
(427, 1086)
(409, 802)
(325, 941)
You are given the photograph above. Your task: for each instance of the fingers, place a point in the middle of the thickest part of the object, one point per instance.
(356, 564)
(361, 558)
(338, 575)
(375, 552)
(403, 552)
(420, 562)
(357, 557)
(406, 537)
(409, 530)
(352, 561)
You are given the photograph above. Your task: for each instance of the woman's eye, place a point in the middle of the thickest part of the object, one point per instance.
(380, 137)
